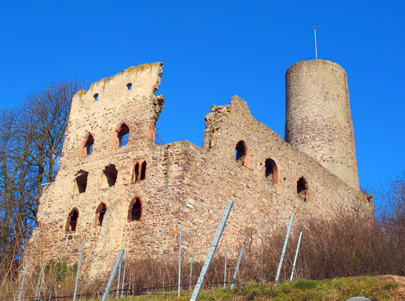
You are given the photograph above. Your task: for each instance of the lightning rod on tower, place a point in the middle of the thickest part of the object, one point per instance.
(316, 50)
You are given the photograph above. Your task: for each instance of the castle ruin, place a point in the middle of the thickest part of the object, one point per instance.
(116, 188)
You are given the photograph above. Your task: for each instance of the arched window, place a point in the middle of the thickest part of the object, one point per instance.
(135, 210)
(143, 171)
(109, 176)
(271, 170)
(71, 223)
(89, 145)
(86, 147)
(136, 172)
(302, 189)
(121, 136)
(81, 182)
(241, 153)
(139, 172)
(100, 212)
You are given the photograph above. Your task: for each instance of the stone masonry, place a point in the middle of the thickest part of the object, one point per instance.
(318, 118)
(117, 189)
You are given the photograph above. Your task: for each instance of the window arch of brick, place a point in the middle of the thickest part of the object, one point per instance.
(121, 135)
(100, 212)
(135, 209)
(242, 155)
(71, 223)
(302, 189)
(86, 146)
(139, 171)
(271, 170)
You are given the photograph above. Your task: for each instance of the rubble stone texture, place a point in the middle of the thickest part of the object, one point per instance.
(144, 191)
(318, 118)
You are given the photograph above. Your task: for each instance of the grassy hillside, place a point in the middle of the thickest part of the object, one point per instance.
(373, 287)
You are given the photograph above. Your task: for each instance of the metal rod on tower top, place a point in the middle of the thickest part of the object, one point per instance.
(316, 49)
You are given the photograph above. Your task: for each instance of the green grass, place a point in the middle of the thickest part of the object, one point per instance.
(373, 287)
(305, 284)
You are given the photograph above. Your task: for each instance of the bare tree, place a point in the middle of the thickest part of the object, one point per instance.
(13, 170)
(47, 113)
(392, 196)
(31, 140)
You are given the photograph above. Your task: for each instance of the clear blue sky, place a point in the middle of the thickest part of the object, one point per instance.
(212, 50)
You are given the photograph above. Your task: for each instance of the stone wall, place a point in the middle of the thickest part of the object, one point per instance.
(318, 118)
(184, 184)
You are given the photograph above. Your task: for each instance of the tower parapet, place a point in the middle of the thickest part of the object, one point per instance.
(318, 118)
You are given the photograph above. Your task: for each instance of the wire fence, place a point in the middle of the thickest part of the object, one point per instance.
(326, 252)
(136, 280)
(128, 292)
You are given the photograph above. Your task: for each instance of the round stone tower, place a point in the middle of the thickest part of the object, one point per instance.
(318, 118)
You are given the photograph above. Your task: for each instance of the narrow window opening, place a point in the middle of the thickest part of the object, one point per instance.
(129, 86)
(123, 135)
(101, 215)
(271, 170)
(95, 96)
(143, 171)
(136, 172)
(110, 176)
(89, 145)
(100, 212)
(71, 223)
(135, 210)
(302, 189)
(81, 182)
(86, 146)
(241, 153)
(139, 172)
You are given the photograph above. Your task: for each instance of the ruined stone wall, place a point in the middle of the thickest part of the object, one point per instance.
(129, 97)
(184, 184)
(261, 205)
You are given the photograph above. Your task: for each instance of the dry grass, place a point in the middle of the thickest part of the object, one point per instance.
(343, 247)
